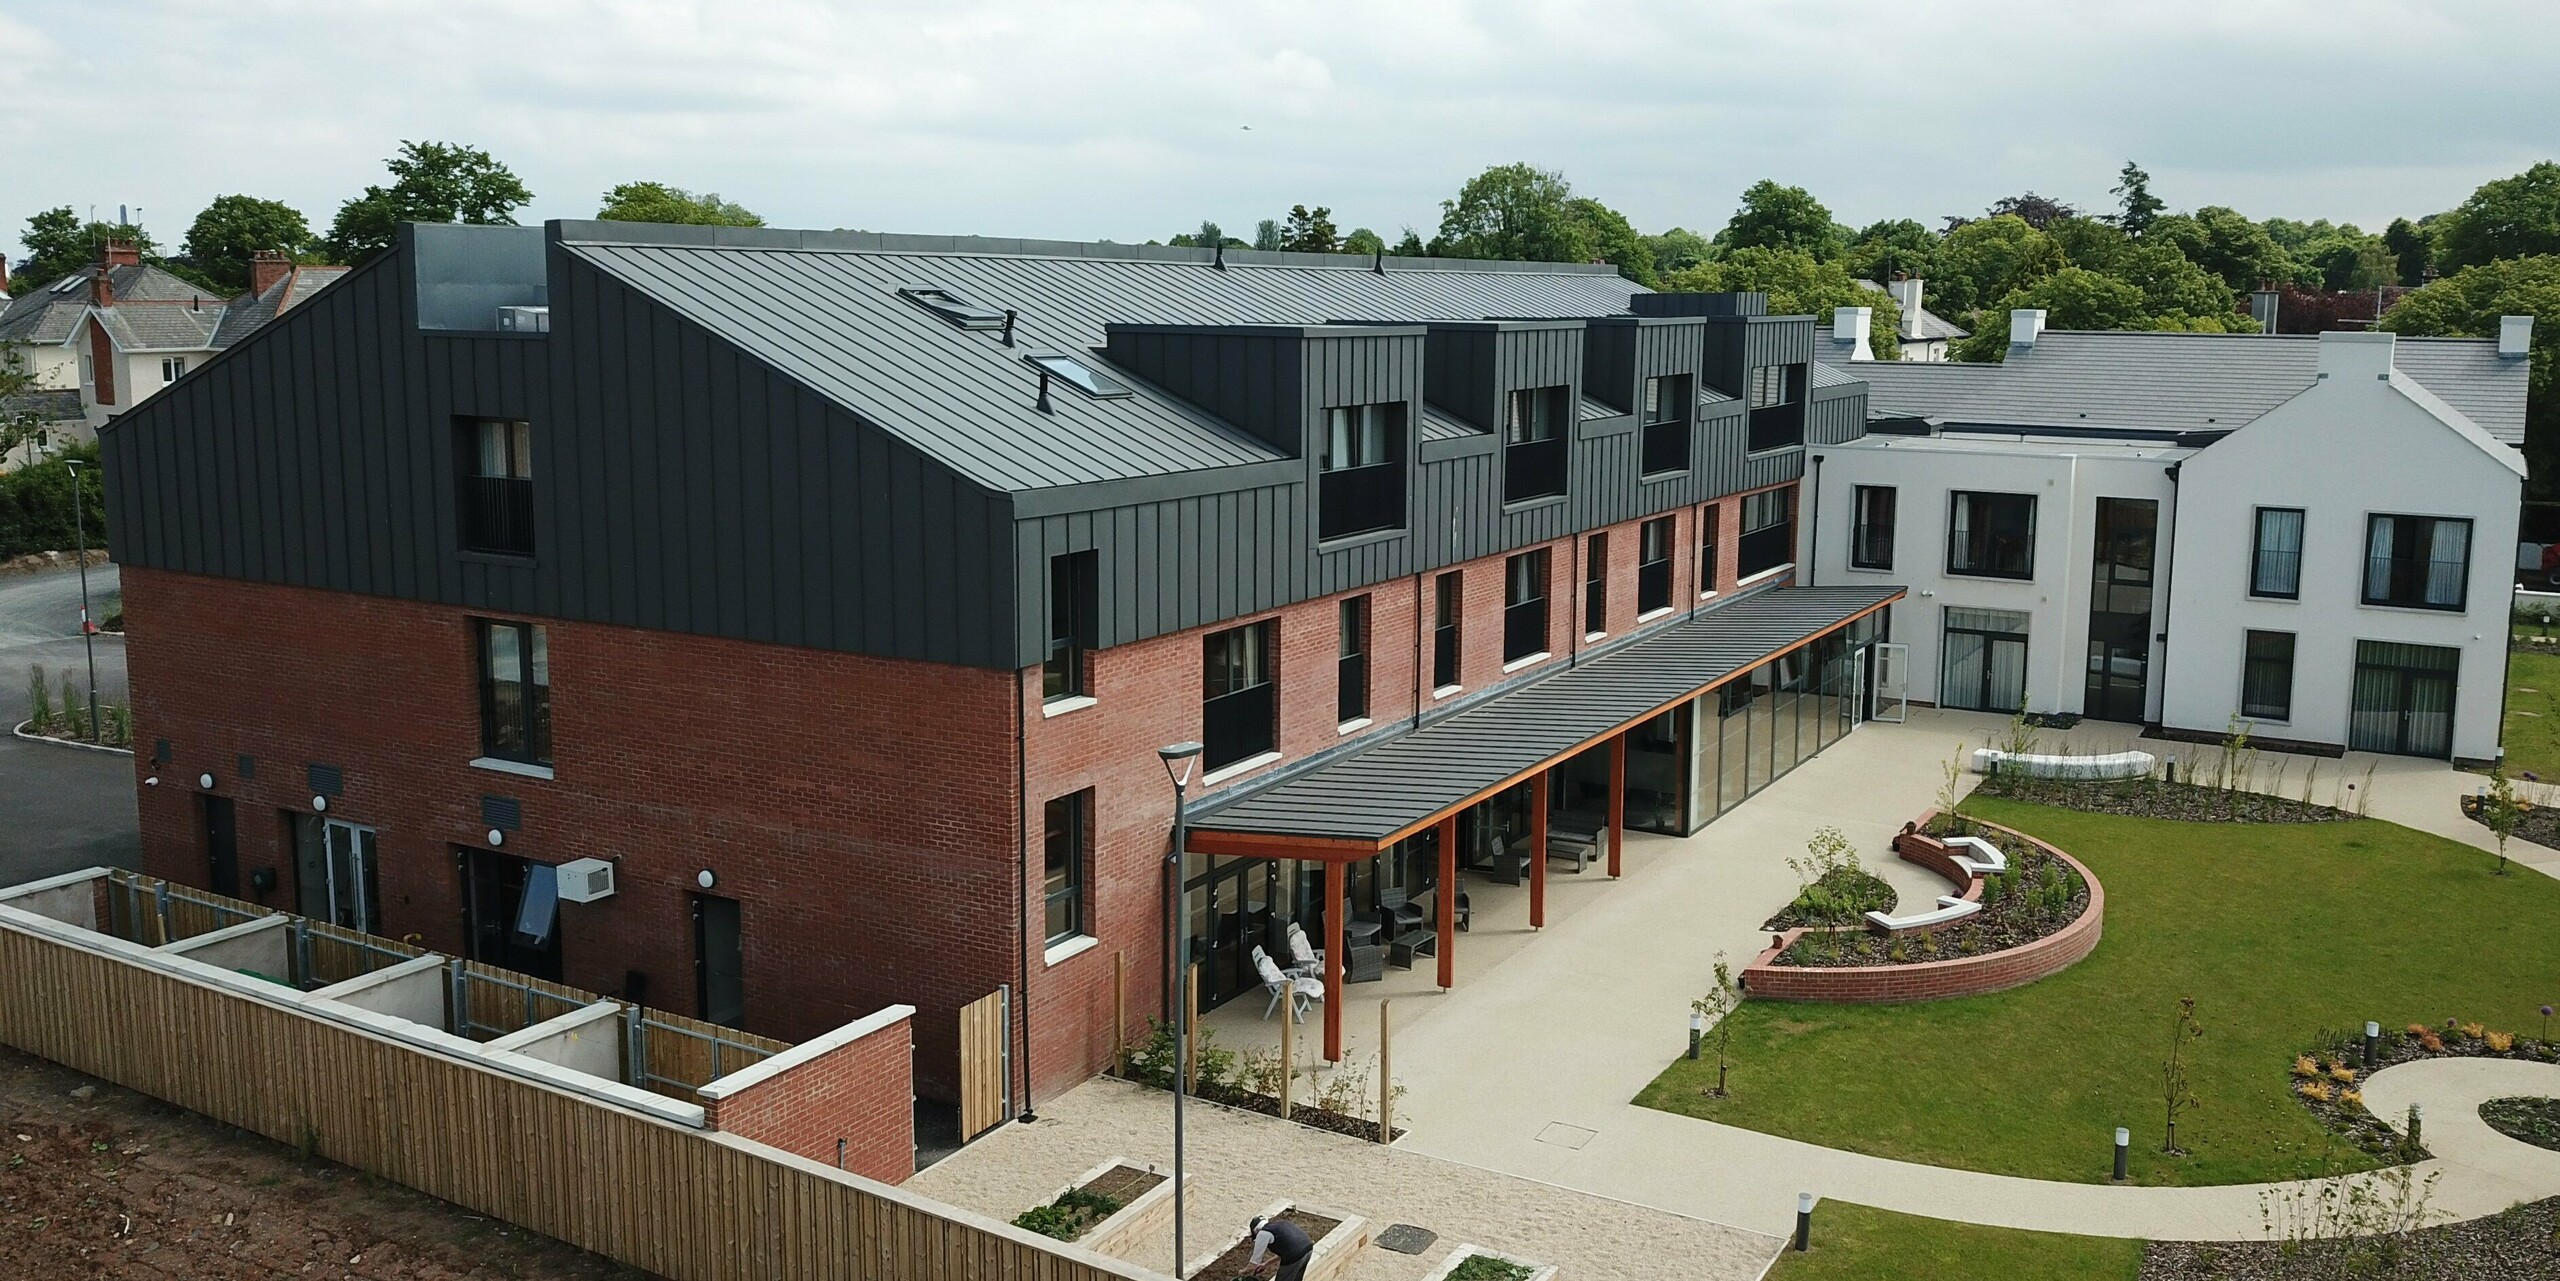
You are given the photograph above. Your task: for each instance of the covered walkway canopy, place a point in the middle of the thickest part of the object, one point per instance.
(1348, 810)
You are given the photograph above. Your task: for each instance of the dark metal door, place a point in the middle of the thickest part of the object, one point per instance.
(720, 960)
(222, 845)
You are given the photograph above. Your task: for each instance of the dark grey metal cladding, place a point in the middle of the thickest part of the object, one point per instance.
(1475, 365)
(1700, 304)
(1169, 564)
(1386, 789)
(1735, 346)
(1836, 415)
(1253, 376)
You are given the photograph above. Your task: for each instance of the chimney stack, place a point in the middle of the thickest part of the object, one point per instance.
(2515, 337)
(2025, 324)
(119, 253)
(266, 267)
(2355, 354)
(1849, 328)
(102, 287)
(1906, 295)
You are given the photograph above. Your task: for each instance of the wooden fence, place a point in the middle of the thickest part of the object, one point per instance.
(680, 1203)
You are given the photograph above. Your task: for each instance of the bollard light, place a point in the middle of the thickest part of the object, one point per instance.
(2372, 1038)
(2417, 1122)
(2124, 1146)
(1804, 1221)
(1697, 1029)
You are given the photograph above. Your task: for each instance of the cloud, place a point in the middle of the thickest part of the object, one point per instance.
(1135, 118)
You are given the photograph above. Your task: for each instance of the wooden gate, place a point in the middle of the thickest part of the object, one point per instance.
(986, 1062)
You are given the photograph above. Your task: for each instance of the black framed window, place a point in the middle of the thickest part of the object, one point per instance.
(1074, 607)
(2418, 562)
(1360, 470)
(495, 484)
(1668, 408)
(1351, 669)
(515, 691)
(1775, 399)
(1063, 864)
(2266, 678)
(1524, 605)
(1240, 705)
(1991, 535)
(1709, 518)
(1445, 611)
(1871, 538)
(1768, 532)
(2275, 553)
(1595, 583)
(1534, 442)
(1653, 565)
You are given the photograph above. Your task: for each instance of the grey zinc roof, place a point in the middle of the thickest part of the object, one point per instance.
(830, 316)
(2179, 381)
(1376, 793)
(1440, 424)
(1834, 376)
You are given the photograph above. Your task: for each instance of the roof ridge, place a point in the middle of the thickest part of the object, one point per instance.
(791, 240)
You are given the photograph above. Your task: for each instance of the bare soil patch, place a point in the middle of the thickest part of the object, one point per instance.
(1232, 1266)
(97, 1181)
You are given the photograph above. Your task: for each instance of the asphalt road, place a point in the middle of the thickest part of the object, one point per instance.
(60, 808)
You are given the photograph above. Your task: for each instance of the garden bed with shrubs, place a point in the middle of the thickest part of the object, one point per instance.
(2183, 802)
(2038, 895)
(67, 717)
(2537, 818)
(2327, 1077)
(1344, 1103)
(2526, 1120)
(1091, 1202)
(2518, 1242)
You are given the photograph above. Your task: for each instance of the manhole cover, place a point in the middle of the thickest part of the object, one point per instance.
(1566, 1136)
(1404, 1238)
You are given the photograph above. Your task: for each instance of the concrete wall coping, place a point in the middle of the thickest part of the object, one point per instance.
(223, 935)
(388, 973)
(52, 883)
(551, 1027)
(758, 1073)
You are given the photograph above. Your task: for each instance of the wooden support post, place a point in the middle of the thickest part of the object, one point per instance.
(1539, 791)
(1288, 1048)
(1386, 1080)
(1617, 801)
(1191, 1021)
(1448, 905)
(1119, 1013)
(1336, 906)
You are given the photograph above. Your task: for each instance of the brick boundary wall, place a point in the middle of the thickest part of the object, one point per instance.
(855, 1085)
(1935, 980)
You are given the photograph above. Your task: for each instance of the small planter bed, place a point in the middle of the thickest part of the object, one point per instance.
(2038, 895)
(1476, 1263)
(2507, 1246)
(1337, 1237)
(2326, 1078)
(1102, 1204)
(2182, 802)
(2538, 824)
(1838, 893)
(1223, 1077)
(2526, 1120)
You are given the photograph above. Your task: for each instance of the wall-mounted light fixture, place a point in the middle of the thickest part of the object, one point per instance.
(497, 837)
(319, 804)
(705, 879)
(205, 781)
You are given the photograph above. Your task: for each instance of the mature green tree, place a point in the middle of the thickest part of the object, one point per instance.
(1410, 245)
(1775, 217)
(2225, 242)
(1310, 231)
(2171, 286)
(2136, 207)
(2039, 212)
(1363, 241)
(2072, 298)
(58, 243)
(2411, 249)
(2468, 303)
(1516, 212)
(2506, 218)
(1677, 250)
(1798, 284)
(1608, 236)
(1982, 261)
(1880, 249)
(2348, 260)
(2093, 243)
(658, 202)
(1266, 234)
(221, 239)
(430, 182)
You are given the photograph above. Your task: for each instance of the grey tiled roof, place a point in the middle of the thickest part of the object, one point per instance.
(161, 326)
(154, 310)
(1834, 376)
(49, 406)
(41, 317)
(829, 314)
(1920, 323)
(1406, 779)
(248, 311)
(2179, 381)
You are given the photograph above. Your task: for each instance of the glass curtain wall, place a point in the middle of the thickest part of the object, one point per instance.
(1765, 722)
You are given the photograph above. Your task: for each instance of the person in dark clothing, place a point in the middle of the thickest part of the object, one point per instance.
(1278, 1241)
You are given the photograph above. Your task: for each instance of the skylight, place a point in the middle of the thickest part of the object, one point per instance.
(954, 308)
(1077, 373)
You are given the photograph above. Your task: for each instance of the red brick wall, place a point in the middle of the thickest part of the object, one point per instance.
(858, 1092)
(860, 809)
(102, 362)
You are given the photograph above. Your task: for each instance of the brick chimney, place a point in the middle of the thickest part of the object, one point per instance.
(266, 267)
(119, 253)
(102, 288)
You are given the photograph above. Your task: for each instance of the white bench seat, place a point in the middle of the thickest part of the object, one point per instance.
(1950, 908)
(1986, 859)
(1991, 760)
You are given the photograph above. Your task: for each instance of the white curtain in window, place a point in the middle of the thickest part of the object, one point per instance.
(2008, 676)
(2448, 557)
(2279, 551)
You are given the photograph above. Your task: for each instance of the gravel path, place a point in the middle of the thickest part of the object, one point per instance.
(1241, 1163)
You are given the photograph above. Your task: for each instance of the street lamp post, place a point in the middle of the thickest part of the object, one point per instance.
(88, 630)
(1178, 759)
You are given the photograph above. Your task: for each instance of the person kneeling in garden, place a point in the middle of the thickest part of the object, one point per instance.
(1282, 1242)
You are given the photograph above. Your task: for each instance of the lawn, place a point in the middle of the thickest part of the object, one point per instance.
(2278, 931)
(2533, 713)
(1856, 1241)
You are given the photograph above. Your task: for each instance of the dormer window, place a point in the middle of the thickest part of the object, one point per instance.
(1076, 373)
(954, 308)
(1668, 404)
(1534, 443)
(1776, 398)
(1360, 471)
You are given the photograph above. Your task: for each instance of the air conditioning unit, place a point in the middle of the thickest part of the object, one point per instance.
(585, 880)
(524, 320)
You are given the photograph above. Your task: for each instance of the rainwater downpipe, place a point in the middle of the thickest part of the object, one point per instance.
(1022, 886)
(1812, 527)
(2164, 595)
(1577, 588)
(1421, 692)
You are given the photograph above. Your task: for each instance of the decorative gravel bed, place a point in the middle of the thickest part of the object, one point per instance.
(1232, 1265)
(2539, 825)
(2520, 1242)
(2184, 802)
(2038, 895)
(2529, 1120)
(2326, 1080)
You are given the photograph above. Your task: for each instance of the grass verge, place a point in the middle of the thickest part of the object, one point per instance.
(2533, 714)
(1857, 1241)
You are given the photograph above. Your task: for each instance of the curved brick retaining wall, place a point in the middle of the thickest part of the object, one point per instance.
(1934, 980)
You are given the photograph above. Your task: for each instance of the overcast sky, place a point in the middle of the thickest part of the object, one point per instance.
(1126, 120)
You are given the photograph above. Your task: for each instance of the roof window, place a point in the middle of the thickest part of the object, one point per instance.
(1077, 373)
(954, 308)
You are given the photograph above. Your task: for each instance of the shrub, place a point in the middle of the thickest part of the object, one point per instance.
(35, 503)
(2304, 1067)
(39, 702)
(2500, 1042)
(2342, 1074)
(2318, 1091)
(2472, 1031)
(2352, 1098)
(2430, 1042)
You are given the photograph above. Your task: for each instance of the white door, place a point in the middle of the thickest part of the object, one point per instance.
(1893, 681)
